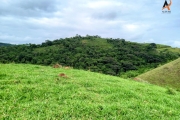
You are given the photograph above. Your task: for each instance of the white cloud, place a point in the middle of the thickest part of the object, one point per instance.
(103, 4)
(176, 43)
(131, 27)
(139, 21)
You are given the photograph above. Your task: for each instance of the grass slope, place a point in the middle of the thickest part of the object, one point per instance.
(164, 48)
(36, 92)
(166, 75)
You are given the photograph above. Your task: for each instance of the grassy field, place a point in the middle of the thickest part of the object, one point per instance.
(168, 48)
(36, 92)
(167, 75)
(98, 42)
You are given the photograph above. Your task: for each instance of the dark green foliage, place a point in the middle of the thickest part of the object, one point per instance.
(109, 56)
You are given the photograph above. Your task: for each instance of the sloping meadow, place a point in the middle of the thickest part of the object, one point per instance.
(38, 92)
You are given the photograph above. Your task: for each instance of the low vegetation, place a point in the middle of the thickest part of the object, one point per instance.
(39, 92)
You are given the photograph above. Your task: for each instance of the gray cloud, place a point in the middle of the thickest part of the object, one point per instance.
(109, 15)
(43, 5)
(28, 8)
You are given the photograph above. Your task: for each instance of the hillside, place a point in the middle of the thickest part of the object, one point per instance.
(116, 57)
(36, 92)
(166, 75)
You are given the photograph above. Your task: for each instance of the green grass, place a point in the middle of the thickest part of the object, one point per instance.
(36, 92)
(164, 48)
(44, 49)
(98, 42)
(167, 75)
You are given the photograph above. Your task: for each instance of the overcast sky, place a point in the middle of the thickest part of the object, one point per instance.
(34, 21)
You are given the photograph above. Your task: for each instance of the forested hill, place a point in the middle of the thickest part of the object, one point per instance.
(106, 55)
(4, 44)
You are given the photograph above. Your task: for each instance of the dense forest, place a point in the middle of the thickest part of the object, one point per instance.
(105, 55)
